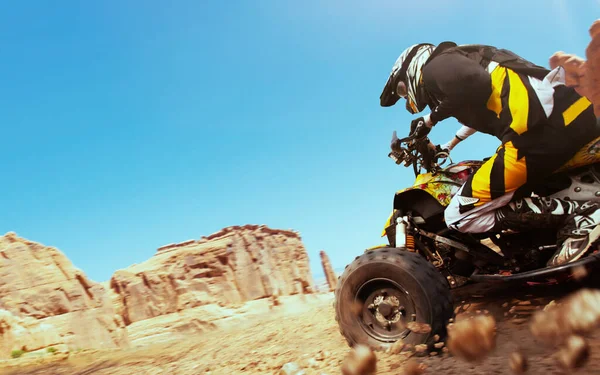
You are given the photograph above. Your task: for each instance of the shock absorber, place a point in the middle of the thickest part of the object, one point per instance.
(401, 231)
(403, 238)
(410, 242)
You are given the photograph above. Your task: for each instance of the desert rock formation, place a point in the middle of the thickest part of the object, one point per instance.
(186, 287)
(45, 300)
(234, 265)
(328, 271)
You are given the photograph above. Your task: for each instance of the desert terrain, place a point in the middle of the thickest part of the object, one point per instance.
(300, 333)
(241, 301)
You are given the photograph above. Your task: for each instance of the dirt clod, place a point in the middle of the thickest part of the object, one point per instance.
(579, 273)
(579, 313)
(472, 339)
(360, 361)
(396, 347)
(574, 354)
(518, 363)
(413, 367)
(419, 328)
(552, 304)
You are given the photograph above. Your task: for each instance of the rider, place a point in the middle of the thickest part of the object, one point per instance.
(540, 121)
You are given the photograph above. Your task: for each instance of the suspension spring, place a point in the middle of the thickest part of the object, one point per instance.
(410, 242)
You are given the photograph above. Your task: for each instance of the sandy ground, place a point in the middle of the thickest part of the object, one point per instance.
(263, 344)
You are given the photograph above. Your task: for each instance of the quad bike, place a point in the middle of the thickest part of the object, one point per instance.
(411, 278)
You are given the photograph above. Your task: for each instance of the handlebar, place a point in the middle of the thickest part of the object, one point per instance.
(418, 152)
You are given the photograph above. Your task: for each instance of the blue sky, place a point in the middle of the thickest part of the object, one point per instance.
(127, 125)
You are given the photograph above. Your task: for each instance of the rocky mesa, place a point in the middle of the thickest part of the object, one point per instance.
(46, 301)
(232, 266)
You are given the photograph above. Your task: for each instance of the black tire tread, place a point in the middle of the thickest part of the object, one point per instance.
(435, 285)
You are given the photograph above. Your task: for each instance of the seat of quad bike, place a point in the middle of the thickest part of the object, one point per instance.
(461, 166)
(587, 155)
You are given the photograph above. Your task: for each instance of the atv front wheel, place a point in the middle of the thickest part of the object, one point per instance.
(383, 290)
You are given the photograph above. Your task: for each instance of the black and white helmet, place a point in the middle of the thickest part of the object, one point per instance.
(407, 71)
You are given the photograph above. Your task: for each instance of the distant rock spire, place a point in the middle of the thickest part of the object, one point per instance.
(328, 270)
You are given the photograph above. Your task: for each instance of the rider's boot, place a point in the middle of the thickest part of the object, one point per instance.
(534, 213)
(579, 232)
(578, 223)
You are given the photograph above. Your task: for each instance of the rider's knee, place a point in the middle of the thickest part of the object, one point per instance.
(478, 221)
(452, 217)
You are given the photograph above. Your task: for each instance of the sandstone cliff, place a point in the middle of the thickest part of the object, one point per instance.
(44, 301)
(184, 288)
(234, 265)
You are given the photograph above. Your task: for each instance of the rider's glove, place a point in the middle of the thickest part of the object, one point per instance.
(448, 146)
(421, 126)
(442, 151)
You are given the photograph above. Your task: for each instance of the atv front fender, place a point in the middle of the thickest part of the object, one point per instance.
(388, 224)
(419, 202)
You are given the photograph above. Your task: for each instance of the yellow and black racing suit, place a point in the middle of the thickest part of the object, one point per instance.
(496, 92)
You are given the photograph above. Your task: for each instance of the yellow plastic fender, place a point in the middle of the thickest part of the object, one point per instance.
(377, 247)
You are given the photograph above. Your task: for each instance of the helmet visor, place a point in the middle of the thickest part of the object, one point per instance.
(388, 96)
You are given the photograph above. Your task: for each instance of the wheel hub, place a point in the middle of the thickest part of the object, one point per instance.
(384, 314)
(386, 309)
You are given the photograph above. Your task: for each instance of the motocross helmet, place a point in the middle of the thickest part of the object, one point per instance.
(405, 79)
